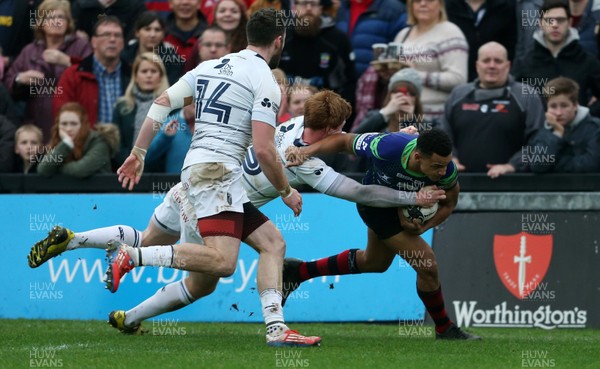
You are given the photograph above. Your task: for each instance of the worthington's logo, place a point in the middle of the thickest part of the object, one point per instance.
(522, 261)
(467, 315)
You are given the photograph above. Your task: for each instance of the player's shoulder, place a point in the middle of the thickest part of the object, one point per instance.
(402, 137)
(227, 63)
(291, 125)
(385, 138)
(253, 61)
(288, 133)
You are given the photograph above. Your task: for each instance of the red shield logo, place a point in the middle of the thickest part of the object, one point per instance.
(522, 261)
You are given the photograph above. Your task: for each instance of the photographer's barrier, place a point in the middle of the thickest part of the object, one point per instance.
(522, 268)
(70, 286)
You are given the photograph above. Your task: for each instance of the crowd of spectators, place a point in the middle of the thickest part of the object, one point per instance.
(515, 83)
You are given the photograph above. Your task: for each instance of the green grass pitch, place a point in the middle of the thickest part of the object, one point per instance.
(94, 344)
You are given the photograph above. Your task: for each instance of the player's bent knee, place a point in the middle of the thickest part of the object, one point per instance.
(276, 246)
(227, 269)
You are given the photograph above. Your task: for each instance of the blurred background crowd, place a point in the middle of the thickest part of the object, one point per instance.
(515, 83)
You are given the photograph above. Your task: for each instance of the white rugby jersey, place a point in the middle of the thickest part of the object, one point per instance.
(229, 93)
(314, 172)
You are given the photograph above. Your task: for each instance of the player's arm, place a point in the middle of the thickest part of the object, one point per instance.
(341, 142)
(446, 206)
(175, 97)
(266, 155)
(380, 196)
(365, 145)
(325, 179)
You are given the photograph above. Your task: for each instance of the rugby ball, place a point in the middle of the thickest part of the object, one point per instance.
(421, 214)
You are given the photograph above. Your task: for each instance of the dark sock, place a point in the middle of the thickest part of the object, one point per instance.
(340, 264)
(434, 303)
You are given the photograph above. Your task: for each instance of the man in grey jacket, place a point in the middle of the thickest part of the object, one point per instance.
(492, 118)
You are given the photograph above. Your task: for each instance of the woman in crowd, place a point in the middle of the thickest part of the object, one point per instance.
(33, 76)
(149, 38)
(231, 16)
(437, 50)
(148, 81)
(75, 149)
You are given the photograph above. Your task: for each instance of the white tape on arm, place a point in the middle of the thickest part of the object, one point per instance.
(176, 93)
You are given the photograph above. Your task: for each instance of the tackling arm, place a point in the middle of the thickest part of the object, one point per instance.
(341, 142)
(378, 196)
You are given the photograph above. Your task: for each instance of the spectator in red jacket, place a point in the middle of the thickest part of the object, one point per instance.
(184, 25)
(100, 79)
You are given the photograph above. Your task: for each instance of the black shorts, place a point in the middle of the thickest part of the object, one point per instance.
(385, 222)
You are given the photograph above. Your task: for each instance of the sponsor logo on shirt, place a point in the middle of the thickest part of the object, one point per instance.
(226, 70)
(361, 143)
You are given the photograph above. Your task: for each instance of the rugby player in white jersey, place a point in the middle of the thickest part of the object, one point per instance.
(236, 99)
(325, 115)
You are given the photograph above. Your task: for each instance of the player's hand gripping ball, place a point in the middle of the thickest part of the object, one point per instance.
(422, 215)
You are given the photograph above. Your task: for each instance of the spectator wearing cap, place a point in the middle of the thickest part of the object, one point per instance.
(492, 118)
(402, 105)
(317, 52)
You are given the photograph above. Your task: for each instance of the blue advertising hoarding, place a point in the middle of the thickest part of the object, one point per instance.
(71, 286)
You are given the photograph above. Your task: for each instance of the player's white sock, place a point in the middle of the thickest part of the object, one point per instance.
(155, 256)
(272, 310)
(170, 297)
(98, 238)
